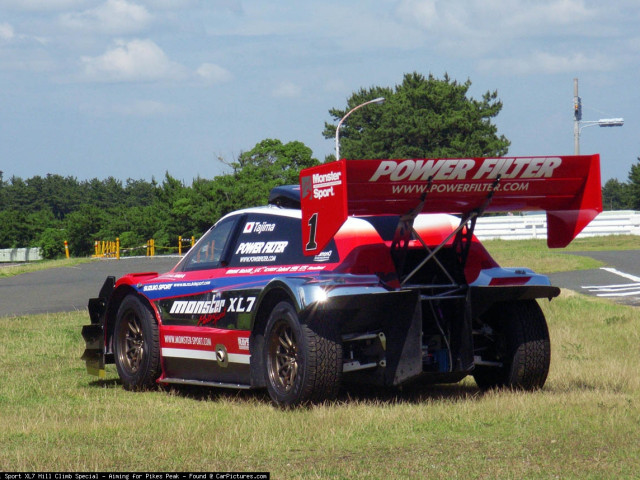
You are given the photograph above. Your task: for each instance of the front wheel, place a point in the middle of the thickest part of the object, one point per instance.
(135, 345)
(513, 346)
(303, 363)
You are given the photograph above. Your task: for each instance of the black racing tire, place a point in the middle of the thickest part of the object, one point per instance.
(136, 346)
(520, 341)
(303, 363)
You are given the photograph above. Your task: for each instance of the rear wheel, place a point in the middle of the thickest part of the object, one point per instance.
(514, 348)
(303, 363)
(135, 345)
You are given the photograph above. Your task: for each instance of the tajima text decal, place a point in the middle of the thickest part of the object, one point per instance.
(257, 227)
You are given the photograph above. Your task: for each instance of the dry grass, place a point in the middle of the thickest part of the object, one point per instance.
(19, 268)
(534, 254)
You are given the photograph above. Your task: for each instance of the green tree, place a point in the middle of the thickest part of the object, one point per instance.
(51, 242)
(634, 186)
(84, 227)
(615, 195)
(270, 163)
(43, 210)
(423, 117)
(139, 192)
(60, 195)
(3, 201)
(14, 230)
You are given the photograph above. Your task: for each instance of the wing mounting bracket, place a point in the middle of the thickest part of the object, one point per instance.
(462, 242)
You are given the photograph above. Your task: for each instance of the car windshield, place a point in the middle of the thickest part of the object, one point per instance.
(207, 252)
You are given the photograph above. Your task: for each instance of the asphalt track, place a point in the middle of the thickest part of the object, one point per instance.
(618, 279)
(66, 289)
(69, 288)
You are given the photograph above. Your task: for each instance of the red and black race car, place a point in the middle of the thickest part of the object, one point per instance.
(368, 271)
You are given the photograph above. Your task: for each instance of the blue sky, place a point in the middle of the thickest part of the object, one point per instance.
(134, 88)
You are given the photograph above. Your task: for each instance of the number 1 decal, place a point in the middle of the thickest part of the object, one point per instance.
(313, 224)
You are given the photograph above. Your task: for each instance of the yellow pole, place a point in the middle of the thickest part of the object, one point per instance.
(66, 248)
(118, 248)
(193, 240)
(180, 245)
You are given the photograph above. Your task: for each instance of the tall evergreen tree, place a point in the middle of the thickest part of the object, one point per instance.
(634, 186)
(423, 117)
(615, 195)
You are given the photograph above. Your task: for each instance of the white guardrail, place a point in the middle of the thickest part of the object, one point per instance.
(518, 227)
(10, 255)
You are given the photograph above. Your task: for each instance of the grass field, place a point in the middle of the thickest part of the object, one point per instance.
(584, 424)
(20, 268)
(535, 254)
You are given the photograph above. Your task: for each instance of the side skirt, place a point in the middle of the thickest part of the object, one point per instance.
(201, 383)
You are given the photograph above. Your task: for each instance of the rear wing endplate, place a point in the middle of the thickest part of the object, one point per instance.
(566, 187)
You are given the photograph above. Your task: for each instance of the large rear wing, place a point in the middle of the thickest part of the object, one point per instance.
(567, 188)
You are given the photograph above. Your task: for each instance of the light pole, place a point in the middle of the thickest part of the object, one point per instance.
(375, 100)
(579, 124)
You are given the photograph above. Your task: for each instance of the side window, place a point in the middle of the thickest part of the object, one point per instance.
(207, 252)
(266, 240)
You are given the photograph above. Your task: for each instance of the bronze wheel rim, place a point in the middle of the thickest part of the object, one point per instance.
(132, 343)
(283, 357)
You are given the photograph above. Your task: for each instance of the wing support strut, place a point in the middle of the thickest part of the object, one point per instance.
(462, 242)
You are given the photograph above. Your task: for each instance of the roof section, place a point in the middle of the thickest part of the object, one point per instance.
(286, 196)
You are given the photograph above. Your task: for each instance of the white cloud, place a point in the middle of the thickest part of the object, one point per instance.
(113, 16)
(146, 108)
(335, 86)
(6, 32)
(135, 60)
(134, 108)
(548, 63)
(212, 73)
(472, 27)
(495, 15)
(287, 90)
(234, 6)
(41, 5)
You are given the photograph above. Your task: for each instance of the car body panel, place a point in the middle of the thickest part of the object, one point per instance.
(399, 316)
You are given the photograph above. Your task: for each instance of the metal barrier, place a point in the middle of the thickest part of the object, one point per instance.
(10, 255)
(519, 227)
(108, 249)
(111, 249)
(181, 240)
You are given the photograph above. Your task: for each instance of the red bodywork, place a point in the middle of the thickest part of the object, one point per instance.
(567, 188)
